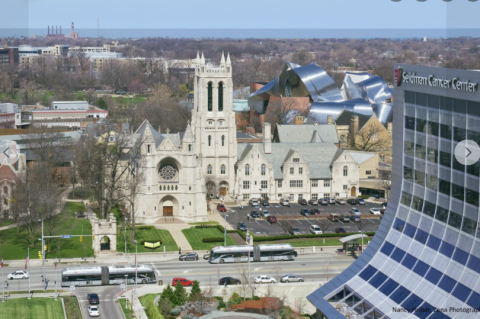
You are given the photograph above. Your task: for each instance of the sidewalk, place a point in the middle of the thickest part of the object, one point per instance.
(178, 236)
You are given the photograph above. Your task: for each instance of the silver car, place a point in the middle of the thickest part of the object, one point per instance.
(265, 213)
(291, 278)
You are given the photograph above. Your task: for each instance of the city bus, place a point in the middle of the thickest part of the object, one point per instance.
(236, 254)
(107, 275)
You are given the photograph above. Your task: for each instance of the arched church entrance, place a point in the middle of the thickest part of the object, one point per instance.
(168, 206)
(223, 188)
(211, 189)
(354, 191)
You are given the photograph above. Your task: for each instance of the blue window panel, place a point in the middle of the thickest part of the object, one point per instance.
(409, 230)
(434, 242)
(474, 263)
(447, 283)
(409, 261)
(421, 236)
(474, 300)
(438, 315)
(461, 292)
(433, 275)
(398, 255)
(447, 249)
(398, 224)
(460, 256)
(368, 272)
(412, 303)
(388, 287)
(387, 248)
(421, 268)
(378, 279)
(400, 295)
(426, 310)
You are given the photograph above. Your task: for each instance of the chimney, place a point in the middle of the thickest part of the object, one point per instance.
(389, 127)
(298, 120)
(60, 29)
(48, 30)
(56, 29)
(329, 119)
(353, 127)
(267, 138)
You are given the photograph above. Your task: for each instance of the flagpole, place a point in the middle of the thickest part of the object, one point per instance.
(3, 285)
(28, 263)
(55, 281)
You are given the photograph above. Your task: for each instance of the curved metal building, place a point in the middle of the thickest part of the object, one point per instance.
(424, 261)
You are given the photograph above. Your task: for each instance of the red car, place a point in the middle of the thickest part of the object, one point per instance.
(271, 219)
(221, 208)
(183, 281)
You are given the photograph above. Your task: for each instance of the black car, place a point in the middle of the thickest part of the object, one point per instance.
(265, 203)
(304, 212)
(229, 281)
(340, 230)
(255, 214)
(241, 226)
(93, 299)
(352, 201)
(302, 201)
(189, 256)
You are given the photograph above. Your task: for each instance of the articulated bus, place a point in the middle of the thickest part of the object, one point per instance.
(107, 275)
(235, 254)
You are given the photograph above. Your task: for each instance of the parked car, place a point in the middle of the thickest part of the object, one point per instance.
(253, 202)
(254, 214)
(314, 229)
(382, 211)
(241, 226)
(183, 281)
(285, 202)
(333, 217)
(302, 201)
(93, 311)
(271, 219)
(352, 201)
(331, 201)
(265, 203)
(19, 274)
(189, 256)
(313, 202)
(304, 212)
(384, 205)
(294, 230)
(93, 299)
(361, 201)
(375, 211)
(293, 278)
(354, 211)
(314, 211)
(264, 279)
(221, 208)
(344, 218)
(324, 202)
(355, 218)
(341, 201)
(340, 230)
(265, 213)
(229, 281)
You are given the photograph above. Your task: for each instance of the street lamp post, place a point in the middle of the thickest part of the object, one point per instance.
(43, 257)
(135, 266)
(3, 285)
(225, 230)
(126, 288)
(126, 237)
(56, 281)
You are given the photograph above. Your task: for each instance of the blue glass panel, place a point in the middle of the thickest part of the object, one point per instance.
(378, 280)
(398, 225)
(368, 272)
(400, 294)
(388, 287)
(474, 300)
(424, 310)
(409, 230)
(433, 242)
(398, 255)
(447, 283)
(387, 248)
(433, 276)
(461, 292)
(438, 315)
(409, 261)
(460, 256)
(474, 263)
(421, 236)
(412, 303)
(421, 268)
(447, 249)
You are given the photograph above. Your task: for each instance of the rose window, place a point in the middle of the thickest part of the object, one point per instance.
(168, 172)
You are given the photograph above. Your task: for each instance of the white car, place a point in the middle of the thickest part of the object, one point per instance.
(314, 229)
(93, 311)
(264, 279)
(375, 211)
(19, 274)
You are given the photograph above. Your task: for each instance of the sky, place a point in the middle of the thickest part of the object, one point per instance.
(245, 14)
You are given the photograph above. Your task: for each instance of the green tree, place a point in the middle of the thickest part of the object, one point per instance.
(183, 89)
(180, 293)
(195, 290)
(102, 104)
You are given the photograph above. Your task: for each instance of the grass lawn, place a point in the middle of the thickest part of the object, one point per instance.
(136, 99)
(13, 246)
(195, 235)
(127, 312)
(72, 308)
(150, 309)
(6, 222)
(35, 308)
(211, 222)
(147, 235)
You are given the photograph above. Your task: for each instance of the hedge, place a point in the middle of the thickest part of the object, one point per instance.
(219, 227)
(212, 239)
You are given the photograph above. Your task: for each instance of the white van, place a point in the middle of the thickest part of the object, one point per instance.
(285, 202)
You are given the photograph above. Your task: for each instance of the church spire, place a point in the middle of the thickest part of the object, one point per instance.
(198, 57)
(203, 59)
(222, 60)
(228, 59)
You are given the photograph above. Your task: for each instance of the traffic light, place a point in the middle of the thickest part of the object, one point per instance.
(81, 238)
(40, 255)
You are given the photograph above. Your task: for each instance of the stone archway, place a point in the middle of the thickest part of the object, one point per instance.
(169, 206)
(212, 190)
(105, 243)
(223, 188)
(353, 191)
(105, 232)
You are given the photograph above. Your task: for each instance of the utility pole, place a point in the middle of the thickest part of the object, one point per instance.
(225, 230)
(126, 237)
(43, 259)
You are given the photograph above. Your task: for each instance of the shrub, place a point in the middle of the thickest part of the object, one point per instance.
(256, 298)
(212, 239)
(186, 317)
(175, 312)
(221, 305)
(234, 296)
(218, 298)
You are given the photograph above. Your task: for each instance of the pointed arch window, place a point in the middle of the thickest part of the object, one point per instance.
(148, 148)
(210, 89)
(209, 140)
(345, 171)
(222, 169)
(189, 148)
(263, 169)
(209, 169)
(247, 169)
(220, 97)
(223, 140)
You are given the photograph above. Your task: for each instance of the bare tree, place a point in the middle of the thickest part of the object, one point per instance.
(369, 138)
(361, 225)
(284, 225)
(300, 304)
(276, 272)
(327, 267)
(324, 224)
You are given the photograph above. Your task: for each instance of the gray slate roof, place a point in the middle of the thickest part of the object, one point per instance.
(158, 137)
(304, 133)
(361, 157)
(318, 155)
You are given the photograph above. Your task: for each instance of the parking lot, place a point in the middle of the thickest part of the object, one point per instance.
(260, 226)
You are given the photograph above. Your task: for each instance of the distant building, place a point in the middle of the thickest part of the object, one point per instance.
(9, 56)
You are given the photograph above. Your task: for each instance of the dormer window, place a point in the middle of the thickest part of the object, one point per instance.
(148, 148)
(296, 160)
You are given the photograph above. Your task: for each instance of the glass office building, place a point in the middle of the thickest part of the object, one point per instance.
(424, 261)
